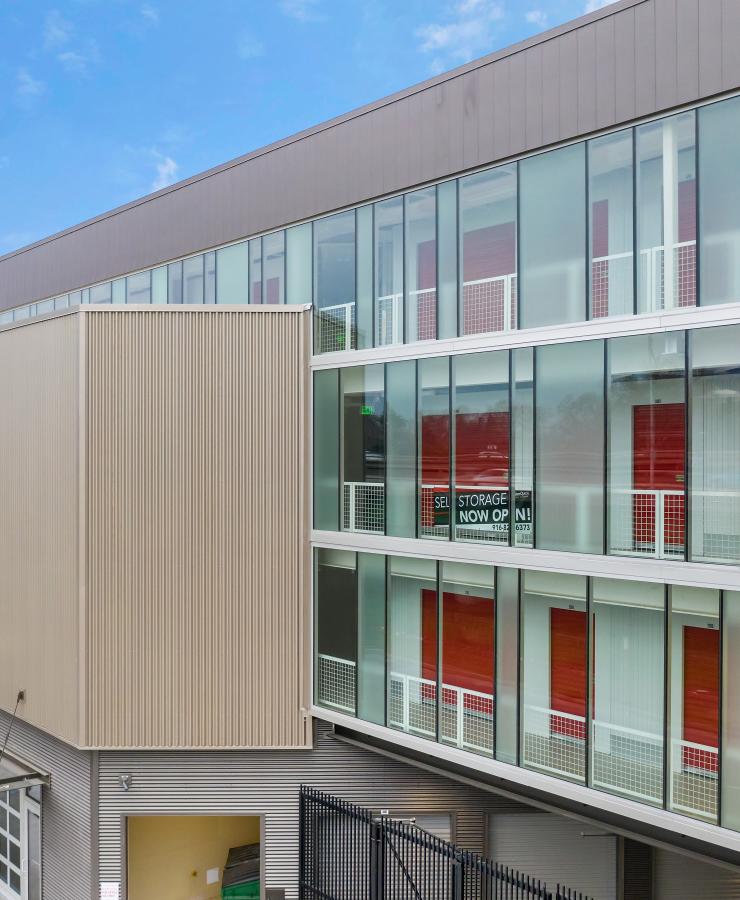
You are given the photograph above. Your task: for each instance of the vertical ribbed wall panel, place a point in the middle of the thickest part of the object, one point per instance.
(39, 600)
(266, 783)
(67, 839)
(195, 527)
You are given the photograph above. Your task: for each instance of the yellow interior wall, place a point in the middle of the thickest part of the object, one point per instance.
(168, 855)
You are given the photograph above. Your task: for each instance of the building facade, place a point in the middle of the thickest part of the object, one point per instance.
(407, 447)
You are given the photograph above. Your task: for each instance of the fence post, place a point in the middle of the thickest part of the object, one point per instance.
(377, 861)
(458, 880)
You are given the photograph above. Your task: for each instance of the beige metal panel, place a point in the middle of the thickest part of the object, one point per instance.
(196, 537)
(39, 601)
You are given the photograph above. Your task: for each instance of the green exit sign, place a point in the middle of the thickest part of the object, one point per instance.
(368, 410)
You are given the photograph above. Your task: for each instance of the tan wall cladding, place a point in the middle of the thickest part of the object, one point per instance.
(39, 598)
(196, 532)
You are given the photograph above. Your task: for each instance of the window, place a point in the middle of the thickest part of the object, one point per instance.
(334, 283)
(730, 814)
(400, 488)
(719, 202)
(522, 444)
(192, 280)
(326, 449)
(488, 290)
(421, 265)
(447, 276)
(20, 844)
(336, 630)
(666, 214)
(412, 646)
(554, 681)
(159, 285)
(647, 445)
(209, 287)
(255, 271)
(467, 657)
(694, 702)
(628, 688)
(365, 294)
(610, 226)
(389, 272)
(138, 288)
(569, 494)
(363, 449)
(298, 264)
(101, 293)
(174, 282)
(482, 430)
(552, 262)
(434, 448)
(273, 275)
(232, 274)
(715, 438)
(507, 664)
(371, 677)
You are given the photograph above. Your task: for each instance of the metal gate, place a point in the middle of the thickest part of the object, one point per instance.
(347, 853)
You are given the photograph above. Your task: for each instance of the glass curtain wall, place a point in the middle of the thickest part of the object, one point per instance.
(334, 283)
(192, 280)
(232, 274)
(666, 213)
(694, 702)
(363, 448)
(389, 272)
(715, 439)
(298, 275)
(365, 295)
(610, 225)
(554, 681)
(569, 493)
(522, 445)
(647, 445)
(335, 675)
(507, 665)
(434, 448)
(628, 640)
(730, 722)
(466, 712)
(552, 256)
(139, 288)
(488, 235)
(421, 265)
(326, 450)
(371, 678)
(255, 271)
(412, 687)
(273, 268)
(482, 433)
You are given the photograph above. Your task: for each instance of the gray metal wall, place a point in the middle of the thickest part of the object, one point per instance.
(266, 783)
(67, 814)
(632, 59)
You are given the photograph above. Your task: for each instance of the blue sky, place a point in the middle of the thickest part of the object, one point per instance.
(103, 101)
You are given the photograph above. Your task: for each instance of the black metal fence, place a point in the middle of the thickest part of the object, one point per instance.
(346, 853)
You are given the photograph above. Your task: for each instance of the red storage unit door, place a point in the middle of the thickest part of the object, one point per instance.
(701, 675)
(568, 642)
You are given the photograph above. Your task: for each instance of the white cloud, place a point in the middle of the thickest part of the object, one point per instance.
(166, 172)
(27, 86)
(537, 17)
(468, 33)
(304, 10)
(248, 46)
(57, 30)
(150, 14)
(593, 5)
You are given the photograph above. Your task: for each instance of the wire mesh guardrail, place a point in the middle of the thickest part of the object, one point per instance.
(347, 853)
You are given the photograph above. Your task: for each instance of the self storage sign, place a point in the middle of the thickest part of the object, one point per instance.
(484, 509)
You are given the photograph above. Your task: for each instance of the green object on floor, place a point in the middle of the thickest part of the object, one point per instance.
(241, 880)
(248, 891)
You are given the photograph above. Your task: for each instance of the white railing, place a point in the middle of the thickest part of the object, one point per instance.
(627, 760)
(337, 327)
(389, 320)
(647, 523)
(336, 682)
(554, 741)
(489, 304)
(423, 325)
(668, 283)
(611, 285)
(466, 716)
(694, 771)
(715, 524)
(364, 507)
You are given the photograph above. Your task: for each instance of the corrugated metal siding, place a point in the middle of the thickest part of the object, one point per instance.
(67, 846)
(39, 600)
(553, 849)
(266, 783)
(637, 58)
(683, 878)
(195, 527)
